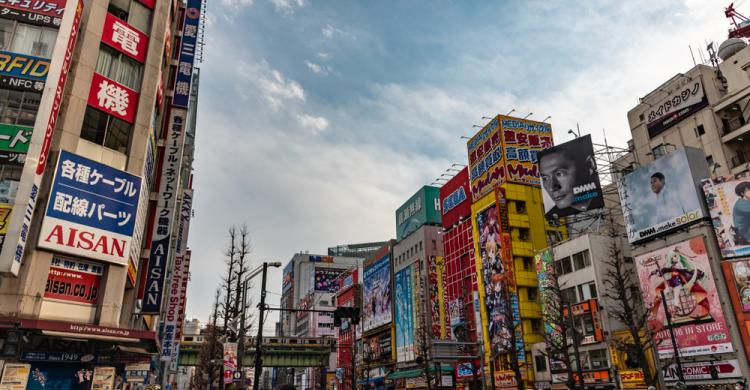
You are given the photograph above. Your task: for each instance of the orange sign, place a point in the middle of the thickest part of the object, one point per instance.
(631, 376)
(600, 376)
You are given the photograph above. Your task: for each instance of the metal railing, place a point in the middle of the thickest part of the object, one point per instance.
(740, 159)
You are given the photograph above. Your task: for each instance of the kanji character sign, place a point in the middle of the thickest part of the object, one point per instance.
(113, 98)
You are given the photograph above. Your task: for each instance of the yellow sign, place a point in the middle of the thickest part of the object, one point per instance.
(505, 150)
(631, 376)
(15, 376)
(5, 210)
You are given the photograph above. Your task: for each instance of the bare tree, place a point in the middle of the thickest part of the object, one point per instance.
(228, 288)
(624, 303)
(210, 351)
(242, 249)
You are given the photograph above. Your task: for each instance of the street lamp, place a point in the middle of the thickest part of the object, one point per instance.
(262, 306)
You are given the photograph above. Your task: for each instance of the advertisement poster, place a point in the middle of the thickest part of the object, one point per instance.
(73, 280)
(662, 196)
(728, 200)
(378, 347)
(92, 210)
(325, 279)
(570, 178)
(137, 372)
(494, 272)
(683, 273)
(15, 376)
(404, 315)
(437, 300)
(377, 294)
(230, 361)
(550, 300)
(741, 271)
(104, 378)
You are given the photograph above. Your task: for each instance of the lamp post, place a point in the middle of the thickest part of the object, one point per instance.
(668, 314)
(262, 269)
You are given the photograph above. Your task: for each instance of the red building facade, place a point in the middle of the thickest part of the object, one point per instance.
(349, 295)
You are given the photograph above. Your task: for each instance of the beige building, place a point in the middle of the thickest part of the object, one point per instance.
(105, 100)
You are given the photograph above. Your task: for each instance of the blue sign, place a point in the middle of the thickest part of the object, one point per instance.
(186, 59)
(24, 66)
(90, 193)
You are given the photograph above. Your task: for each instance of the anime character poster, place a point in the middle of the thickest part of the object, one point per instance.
(496, 276)
(741, 271)
(404, 306)
(683, 274)
(728, 201)
(377, 294)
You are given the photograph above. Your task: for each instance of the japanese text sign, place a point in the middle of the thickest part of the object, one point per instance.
(506, 150)
(186, 58)
(113, 98)
(23, 66)
(44, 127)
(73, 280)
(91, 210)
(165, 212)
(125, 38)
(54, 8)
(14, 138)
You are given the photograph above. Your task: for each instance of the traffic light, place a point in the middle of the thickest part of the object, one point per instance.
(351, 313)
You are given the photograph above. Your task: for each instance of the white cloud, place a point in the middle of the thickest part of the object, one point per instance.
(287, 7)
(329, 31)
(236, 4)
(315, 68)
(275, 88)
(315, 123)
(323, 55)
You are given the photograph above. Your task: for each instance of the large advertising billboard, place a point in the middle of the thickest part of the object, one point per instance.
(92, 210)
(405, 305)
(455, 198)
(326, 279)
(570, 178)
(422, 208)
(550, 300)
(683, 274)
(377, 294)
(728, 200)
(506, 149)
(681, 103)
(662, 196)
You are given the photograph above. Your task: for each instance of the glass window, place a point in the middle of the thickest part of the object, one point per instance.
(33, 40)
(119, 8)
(540, 363)
(520, 207)
(569, 295)
(588, 324)
(566, 266)
(129, 73)
(118, 135)
(94, 126)
(581, 260)
(18, 107)
(119, 67)
(106, 63)
(6, 33)
(140, 17)
(527, 263)
(106, 130)
(598, 358)
(531, 293)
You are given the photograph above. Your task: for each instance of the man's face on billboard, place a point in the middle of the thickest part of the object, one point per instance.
(656, 184)
(558, 178)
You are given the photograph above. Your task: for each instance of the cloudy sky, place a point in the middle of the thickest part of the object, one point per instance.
(317, 119)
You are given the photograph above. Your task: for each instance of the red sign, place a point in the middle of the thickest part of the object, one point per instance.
(455, 198)
(113, 98)
(125, 38)
(54, 8)
(85, 329)
(44, 153)
(74, 281)
(148, 3)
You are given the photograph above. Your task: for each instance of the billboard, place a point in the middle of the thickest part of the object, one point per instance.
(684, 101)
(378, 347)
(326, 279)
(92, 210)
(113, 98)
(455, 199)
(741, 272)
(728, 201)
(662, 196)
(550, 301)
(73, 281)
(40, 12)
(683, 273)
(570, 178)
(405, 310)
(23, 66)
(435, 271)
(377, 294)
(125, 38)
(44, 127)
(422, 208)
(15, 138)
(506, 149)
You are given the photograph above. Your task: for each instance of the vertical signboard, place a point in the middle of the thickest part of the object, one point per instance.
(230, 361)
(404, 315)
(550, 300)
(92, 210)
(186, 58)
(683, 273)
(165, 213)
(169, 334)
(46, 119)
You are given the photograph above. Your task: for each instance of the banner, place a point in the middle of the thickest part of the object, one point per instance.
(741, 272)
(44, 127)
(405, 310)
(230, 361)
(53, 8)
(186, 58)
(92, 210)
(73, 281)
(377, 294)
(683, 273)
(165, 212)
(570, 178)
(113, 98)
(169, 334)
(728, 200)
(125, 38)
(663, 195)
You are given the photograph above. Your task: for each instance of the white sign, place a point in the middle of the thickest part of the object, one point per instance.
(685, 96)
(15, 376)
(702, 370)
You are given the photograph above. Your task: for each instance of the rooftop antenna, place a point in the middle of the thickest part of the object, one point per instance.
(201, 39)
(700, 54)
(692, 55)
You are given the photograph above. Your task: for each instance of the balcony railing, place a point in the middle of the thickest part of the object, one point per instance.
(731, 124)
(740, 159)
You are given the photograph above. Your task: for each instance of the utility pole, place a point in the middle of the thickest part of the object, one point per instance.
(676, 352)
(575, 347)
(259, 339)
(241, 336)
